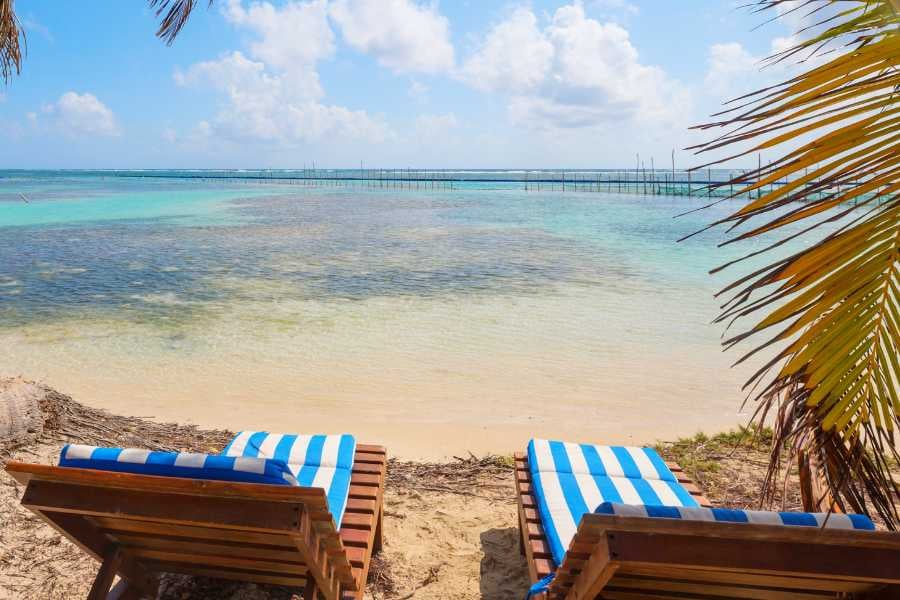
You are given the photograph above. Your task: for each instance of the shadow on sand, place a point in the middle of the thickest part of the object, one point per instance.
(504, 574)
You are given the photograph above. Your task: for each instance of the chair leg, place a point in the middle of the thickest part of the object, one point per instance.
(112, 560)
(126, 590)
(379, 532)
(123, 590)
(521, 532)
(311, 591)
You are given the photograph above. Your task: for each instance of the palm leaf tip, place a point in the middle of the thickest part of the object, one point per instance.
(12, 41)
(174, 15)
(832, 386)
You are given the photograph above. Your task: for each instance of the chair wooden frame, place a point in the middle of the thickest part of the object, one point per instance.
(632, 558)
(140, 526)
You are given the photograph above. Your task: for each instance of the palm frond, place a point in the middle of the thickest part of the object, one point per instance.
(12, 41)
(175, 14)
(833, 308)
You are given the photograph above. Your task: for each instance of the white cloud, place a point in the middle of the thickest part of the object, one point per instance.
(275, 107)
(197, 137)
(515, 55)
(800, 14)
(617, 5)
(295, 36)
(728, 67)
(31, 25)
(573, 72)
(782, 43)
(417, 90)
(401, 34)
(429, 127)
(275, 94)
(80, 114)
(733, 71)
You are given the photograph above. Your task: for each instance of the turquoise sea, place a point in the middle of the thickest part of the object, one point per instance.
(434, 320)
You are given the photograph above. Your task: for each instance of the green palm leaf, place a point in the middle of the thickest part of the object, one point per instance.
(830, 313)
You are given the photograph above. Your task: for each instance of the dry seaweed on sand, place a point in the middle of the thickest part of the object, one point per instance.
(471, 476)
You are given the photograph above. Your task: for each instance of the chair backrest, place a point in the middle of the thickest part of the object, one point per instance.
(571, 480)
(279, 534)
(723, 558)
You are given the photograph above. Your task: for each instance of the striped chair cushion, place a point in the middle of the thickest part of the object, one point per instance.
(570, 480)
(323, 461)
(728, 515)
(177, 464)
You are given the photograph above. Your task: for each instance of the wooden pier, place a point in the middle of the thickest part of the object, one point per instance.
(635, 181)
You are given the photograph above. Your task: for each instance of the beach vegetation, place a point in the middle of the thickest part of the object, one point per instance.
(702, 454)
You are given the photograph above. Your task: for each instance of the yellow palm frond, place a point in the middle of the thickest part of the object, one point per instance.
(834, 307)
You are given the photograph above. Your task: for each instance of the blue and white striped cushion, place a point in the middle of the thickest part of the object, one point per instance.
(324, 461)
(177, 464)
(728, 515)
(571, 480)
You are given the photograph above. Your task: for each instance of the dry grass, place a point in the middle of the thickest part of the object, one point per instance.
(730, 468)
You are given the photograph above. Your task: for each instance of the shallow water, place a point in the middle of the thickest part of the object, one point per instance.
(432, 321)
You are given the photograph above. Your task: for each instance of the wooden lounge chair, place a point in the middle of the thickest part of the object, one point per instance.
(637, 558)
(141, 525)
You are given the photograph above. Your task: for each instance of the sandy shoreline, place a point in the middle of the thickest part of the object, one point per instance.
(412, 439)
(414, 424)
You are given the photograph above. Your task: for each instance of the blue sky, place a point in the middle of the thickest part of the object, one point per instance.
(391, 83)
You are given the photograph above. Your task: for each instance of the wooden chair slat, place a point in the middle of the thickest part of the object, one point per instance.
(738, 591)
(355, 536)
(213, 561)
(227, 512)
(116, 525)
(362, 491)
(371, 449)
(354, 520)
(750, 579)
(205, 547)
(369, 457)
(540, 548)
(361, 505)
(368, 468)
(356, 555)
(24, 473)
(292, 580)
(366, 479)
